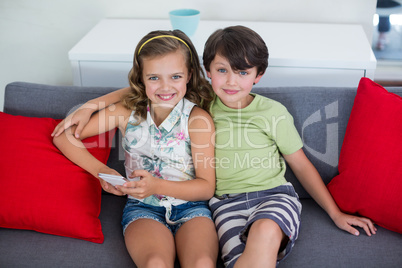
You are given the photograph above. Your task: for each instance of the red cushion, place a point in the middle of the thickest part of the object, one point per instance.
(370, 165)
(40, 189)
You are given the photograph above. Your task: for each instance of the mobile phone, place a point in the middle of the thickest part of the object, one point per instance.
(113, 179)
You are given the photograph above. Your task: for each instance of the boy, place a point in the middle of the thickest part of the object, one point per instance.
(256, 212)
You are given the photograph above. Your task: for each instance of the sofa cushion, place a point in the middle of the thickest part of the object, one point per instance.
(41, 189)
(370, 171)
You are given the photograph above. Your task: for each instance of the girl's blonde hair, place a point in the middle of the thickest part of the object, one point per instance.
(159, 43)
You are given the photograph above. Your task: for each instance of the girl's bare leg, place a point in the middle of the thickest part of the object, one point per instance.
(150, 244)
(197, 243)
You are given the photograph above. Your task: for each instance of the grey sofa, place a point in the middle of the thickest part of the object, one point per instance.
(321, 116)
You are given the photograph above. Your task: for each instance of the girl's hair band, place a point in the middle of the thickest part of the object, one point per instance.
(161, 36)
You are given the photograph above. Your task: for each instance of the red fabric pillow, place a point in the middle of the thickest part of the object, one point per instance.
(370, 165)
(40, 189)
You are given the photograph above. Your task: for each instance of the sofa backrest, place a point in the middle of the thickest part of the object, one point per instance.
(320, 115)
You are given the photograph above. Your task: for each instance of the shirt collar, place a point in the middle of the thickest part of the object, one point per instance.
(172, 118)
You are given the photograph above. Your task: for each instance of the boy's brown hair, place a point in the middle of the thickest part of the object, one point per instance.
(241, 46)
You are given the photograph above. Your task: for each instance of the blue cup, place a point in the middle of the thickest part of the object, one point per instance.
(185, 20)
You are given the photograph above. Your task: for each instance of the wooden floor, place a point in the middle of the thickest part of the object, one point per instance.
(389, 60)
(389, 83)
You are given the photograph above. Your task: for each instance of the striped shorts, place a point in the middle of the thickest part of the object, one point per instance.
(233, 215)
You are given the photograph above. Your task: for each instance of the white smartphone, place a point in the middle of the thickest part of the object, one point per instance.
(113, 179)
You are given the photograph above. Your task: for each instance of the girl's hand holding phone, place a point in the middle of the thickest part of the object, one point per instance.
(106, 185)
(146, 184)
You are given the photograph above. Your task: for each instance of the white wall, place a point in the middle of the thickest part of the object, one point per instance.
(35, 36)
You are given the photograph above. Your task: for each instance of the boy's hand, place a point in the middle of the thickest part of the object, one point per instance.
(79, 117)
(107, 186)
(346, 221)
(146, 186)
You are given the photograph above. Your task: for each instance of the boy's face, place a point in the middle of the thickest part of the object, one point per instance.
(232, 87)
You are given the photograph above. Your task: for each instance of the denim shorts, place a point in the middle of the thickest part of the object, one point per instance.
(180, 214)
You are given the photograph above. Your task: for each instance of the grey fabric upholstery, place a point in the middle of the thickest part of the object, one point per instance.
(320, 115)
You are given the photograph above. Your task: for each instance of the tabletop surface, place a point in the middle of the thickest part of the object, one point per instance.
(289, 44)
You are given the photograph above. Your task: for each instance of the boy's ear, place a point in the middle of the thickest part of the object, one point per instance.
(257, 79)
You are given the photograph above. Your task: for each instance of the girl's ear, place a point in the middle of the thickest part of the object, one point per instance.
(209, 75)
(257, 79)
(189, 76)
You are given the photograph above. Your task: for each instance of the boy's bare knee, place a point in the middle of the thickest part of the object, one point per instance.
(268, 230)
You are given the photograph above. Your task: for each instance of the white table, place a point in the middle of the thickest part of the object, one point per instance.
(300, 54)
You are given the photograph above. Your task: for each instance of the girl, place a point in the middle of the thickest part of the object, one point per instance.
(163, 215)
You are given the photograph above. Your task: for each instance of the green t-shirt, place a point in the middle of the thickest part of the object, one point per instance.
(249, 142)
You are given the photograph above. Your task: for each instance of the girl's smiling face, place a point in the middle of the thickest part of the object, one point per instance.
(165, 78)
(232, 87)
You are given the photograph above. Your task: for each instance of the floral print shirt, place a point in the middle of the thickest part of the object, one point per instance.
(163, 151)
